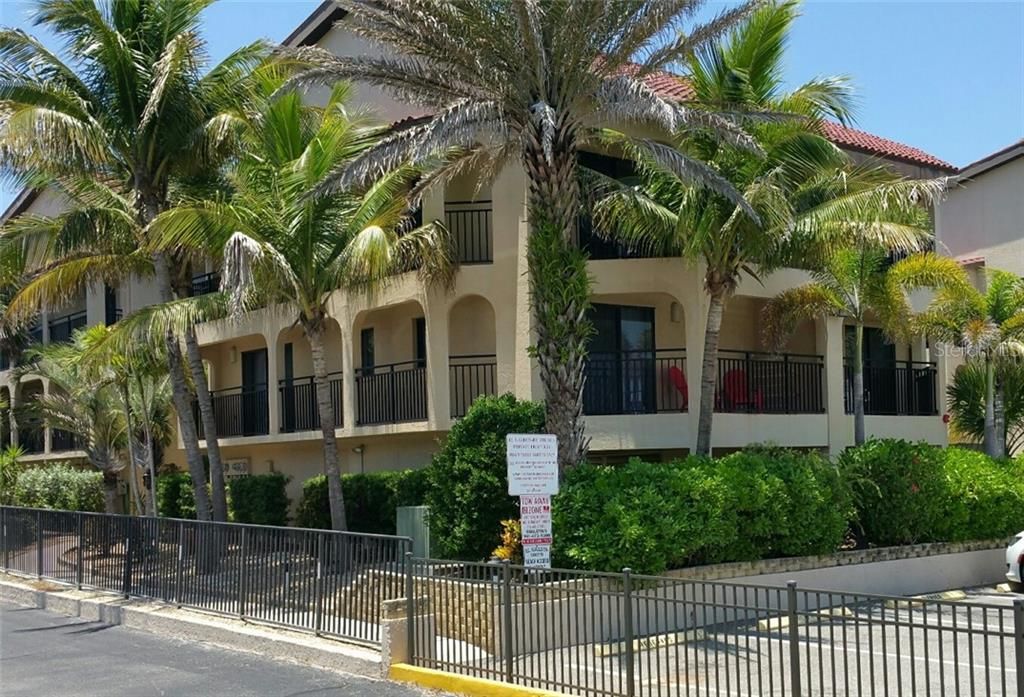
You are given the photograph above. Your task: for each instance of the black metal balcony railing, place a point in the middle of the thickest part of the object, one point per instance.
(635, 382)
(391, 393)
(299, 410)
(237, 412)
(62, 328)
(206, 283)
(35, 333)
(899, 388)
(469, 377)
(32, 440)
(469, 223)
(113, 315)
(62, 441)
(769, 383)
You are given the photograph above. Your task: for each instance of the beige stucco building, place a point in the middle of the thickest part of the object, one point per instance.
(407, 361)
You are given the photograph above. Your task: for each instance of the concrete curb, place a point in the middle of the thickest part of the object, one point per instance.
(192, 626)
(462, 684)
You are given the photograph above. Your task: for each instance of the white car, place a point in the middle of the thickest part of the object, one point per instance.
(1015, 563)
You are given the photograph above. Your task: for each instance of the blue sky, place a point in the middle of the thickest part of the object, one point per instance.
(944, 76)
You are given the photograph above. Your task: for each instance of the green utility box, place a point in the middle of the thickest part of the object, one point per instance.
(413, 521)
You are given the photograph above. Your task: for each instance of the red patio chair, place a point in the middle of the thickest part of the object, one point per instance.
(736, 393)
(679, 381)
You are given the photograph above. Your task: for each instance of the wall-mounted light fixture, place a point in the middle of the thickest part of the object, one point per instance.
(359, 450)
(675, 311)
(233, 354)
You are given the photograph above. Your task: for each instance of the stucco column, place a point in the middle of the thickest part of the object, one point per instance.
(273, 393)
(348, 372)
(44, 325)
(47, 431)
(95, 304)
(435, 312)
(829, 333)
(433, 204)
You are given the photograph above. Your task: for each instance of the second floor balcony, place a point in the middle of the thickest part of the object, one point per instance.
(238, 411)
(205, 283)
(63, 328)
(895, 388)
(391, 393)
(298, 403)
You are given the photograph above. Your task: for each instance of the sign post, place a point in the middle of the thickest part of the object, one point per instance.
(533, 477)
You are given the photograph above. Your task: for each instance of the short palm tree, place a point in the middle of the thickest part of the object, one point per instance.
(287, 246)
(77, 404)
(800, 190)
(858, 283)
(530, 80)
(988, 325)
(111, 130)
(967, 396)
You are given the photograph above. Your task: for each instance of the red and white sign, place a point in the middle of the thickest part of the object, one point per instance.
(532, 464)
(535, 517)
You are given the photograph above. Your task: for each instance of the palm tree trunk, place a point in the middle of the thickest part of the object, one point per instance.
(133, 450)
(205, 401)
(325, 410)
(147, 430)
(182, 398)
(709, 370)
(559, 285)
(111, 504)
(859, 432)
(991, 442)
(998, 416)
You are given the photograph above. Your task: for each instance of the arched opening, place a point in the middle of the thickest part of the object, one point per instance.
(636, 361)
(390, 354)
(31, 430)
(296, 390)
(472, 361)
(238, 386)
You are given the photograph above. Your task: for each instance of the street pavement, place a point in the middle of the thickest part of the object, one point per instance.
(46, 654)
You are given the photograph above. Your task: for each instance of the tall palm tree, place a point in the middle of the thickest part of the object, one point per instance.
(287, 246)
(530, 80)
(988, 325)
(800, 189)
(111, 130)
(859, 283)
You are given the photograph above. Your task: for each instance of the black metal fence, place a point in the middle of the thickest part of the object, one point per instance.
(206, 283)
(770, 383)
(635, 382)
(237, 411)
(392, 393)
(469, 377)
(601, 634)
(299, 410)
(900, 388)
(62, 328)
(329, 582)
(469, 223)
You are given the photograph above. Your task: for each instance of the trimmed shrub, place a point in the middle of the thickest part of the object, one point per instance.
(370, 500)
(259, 499)
(174, 496)
(468, 495)
(899, 490)
(60, 486)
(656, 516)
(985, 497)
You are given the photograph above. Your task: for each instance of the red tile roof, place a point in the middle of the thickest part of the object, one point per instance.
(676, 87)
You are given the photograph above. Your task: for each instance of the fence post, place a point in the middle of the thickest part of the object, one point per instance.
(506, 619)
(627, 622)
(794, 639)
(410, 610)
(181, 564)
(39, 544)
(243, 576)
(1018, 642)
(80, 554)
(318, 587)
(126, 585)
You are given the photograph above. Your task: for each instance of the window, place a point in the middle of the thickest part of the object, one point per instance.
(420, 349)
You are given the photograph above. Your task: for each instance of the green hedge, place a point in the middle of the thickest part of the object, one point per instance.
(370, 500)
(60, 486)
(657, 516)
(468, 494)
(174, 496)
(259, 499)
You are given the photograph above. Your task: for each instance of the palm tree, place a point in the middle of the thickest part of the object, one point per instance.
(77, 404)
(801, 189)
(967, 394)
(289, 247)
(111, 131)
(530, 80)
(858, 283)
(988, 325)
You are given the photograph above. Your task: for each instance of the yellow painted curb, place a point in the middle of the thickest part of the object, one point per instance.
(924, 599)
(1003, 588)
(818, 616)
(462, 684)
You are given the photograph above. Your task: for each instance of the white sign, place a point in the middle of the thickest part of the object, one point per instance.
(537, 556)
(236, 468)
(535, 518)
(532, 464)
